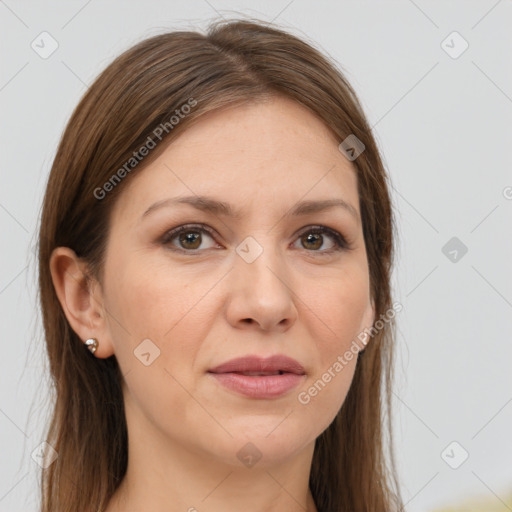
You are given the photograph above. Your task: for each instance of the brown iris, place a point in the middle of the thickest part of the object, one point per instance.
(190, 237)
(314, 238)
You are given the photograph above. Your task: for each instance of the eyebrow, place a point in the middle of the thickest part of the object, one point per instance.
(211, 205)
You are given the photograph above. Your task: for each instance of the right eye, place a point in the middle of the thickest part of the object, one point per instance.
(189, 237)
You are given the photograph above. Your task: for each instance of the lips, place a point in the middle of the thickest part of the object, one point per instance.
(259, 378)
(254, 365)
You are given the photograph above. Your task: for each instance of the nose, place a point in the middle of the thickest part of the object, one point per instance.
(261, 295)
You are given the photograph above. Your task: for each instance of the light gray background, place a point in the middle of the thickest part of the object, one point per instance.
(443, 125)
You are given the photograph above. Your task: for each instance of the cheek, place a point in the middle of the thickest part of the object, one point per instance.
(162, 306)
(340, 306)
(153, 299)
(337, 314)
(172, 309)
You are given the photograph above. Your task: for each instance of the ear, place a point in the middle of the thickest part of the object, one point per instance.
(367, 323)
(81, 299)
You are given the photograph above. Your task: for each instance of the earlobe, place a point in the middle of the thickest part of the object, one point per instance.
(80, 299)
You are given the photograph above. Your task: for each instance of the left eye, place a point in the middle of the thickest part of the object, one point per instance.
(315, 235)
(190, 237)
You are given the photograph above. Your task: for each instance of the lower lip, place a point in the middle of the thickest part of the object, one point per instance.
(265, 386)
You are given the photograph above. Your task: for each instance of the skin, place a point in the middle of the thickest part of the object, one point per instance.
(203, 309)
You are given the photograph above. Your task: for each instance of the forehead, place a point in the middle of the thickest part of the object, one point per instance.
(251, 154)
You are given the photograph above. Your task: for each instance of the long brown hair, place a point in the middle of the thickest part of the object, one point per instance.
(236, 62)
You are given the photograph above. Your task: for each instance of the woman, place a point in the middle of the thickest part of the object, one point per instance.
(216, 244)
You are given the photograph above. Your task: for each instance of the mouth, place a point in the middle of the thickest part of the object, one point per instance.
(257, 366)
(260, 378)
(257, 374)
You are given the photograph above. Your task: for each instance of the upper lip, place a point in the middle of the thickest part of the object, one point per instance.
(252, 363)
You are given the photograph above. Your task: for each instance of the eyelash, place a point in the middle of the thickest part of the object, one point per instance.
(341, 243)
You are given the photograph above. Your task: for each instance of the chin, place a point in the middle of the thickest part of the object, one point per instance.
(262, 442)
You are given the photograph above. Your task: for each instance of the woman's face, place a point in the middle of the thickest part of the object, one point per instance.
(262, 283)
